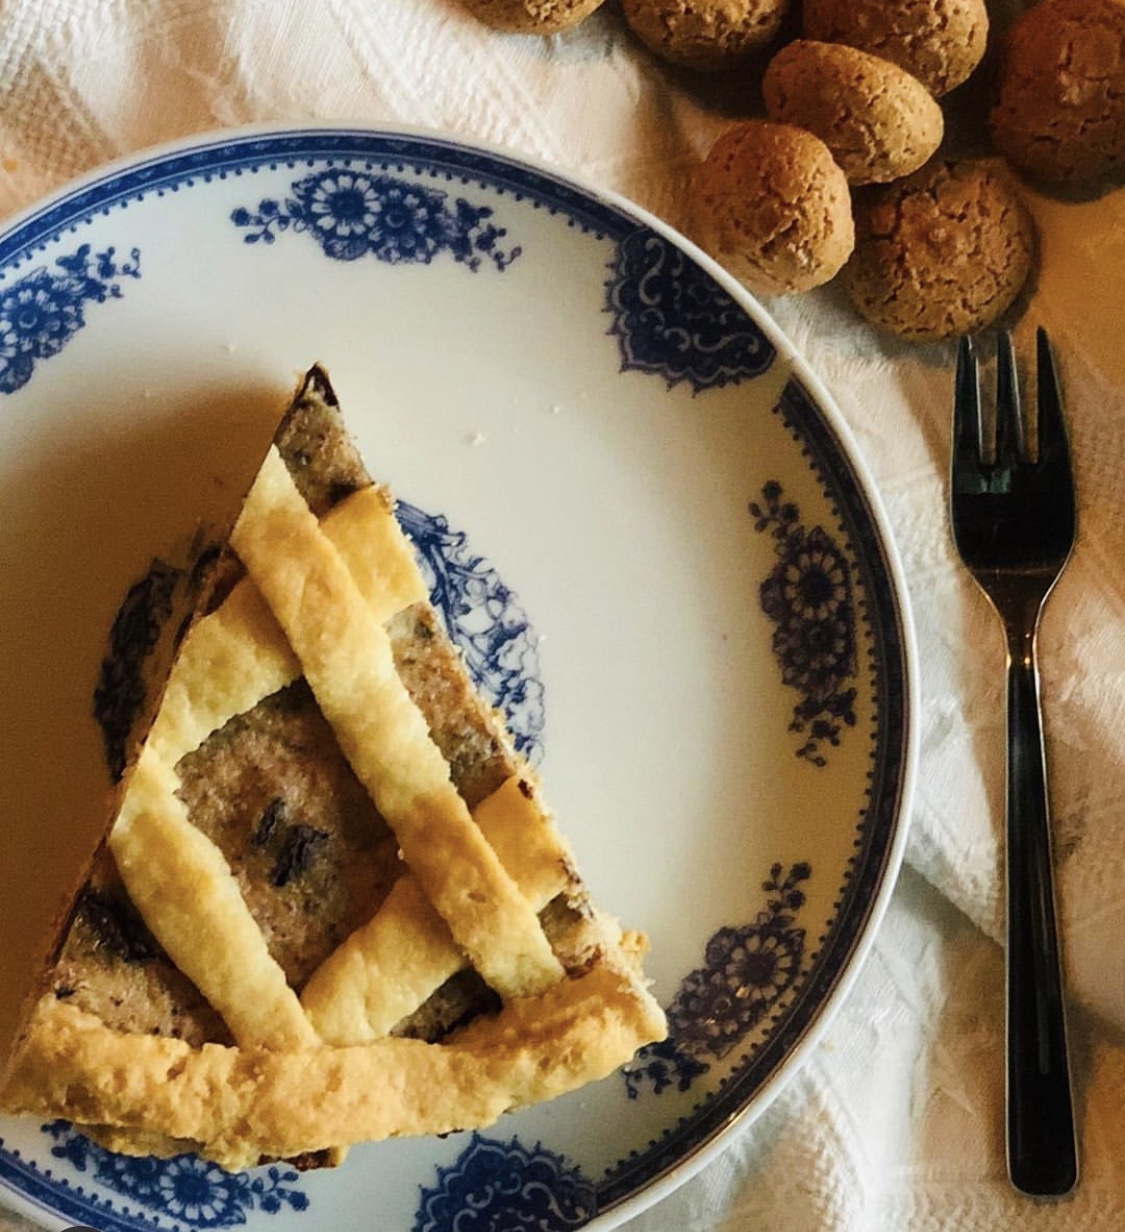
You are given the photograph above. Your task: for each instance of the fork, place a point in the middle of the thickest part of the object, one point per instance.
(1014, 524)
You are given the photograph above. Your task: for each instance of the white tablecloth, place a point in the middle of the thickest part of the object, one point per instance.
(896, 1122)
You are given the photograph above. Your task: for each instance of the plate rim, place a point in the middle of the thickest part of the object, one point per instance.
(823, 406)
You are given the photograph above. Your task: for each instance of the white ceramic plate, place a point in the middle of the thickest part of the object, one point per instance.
(650, 528)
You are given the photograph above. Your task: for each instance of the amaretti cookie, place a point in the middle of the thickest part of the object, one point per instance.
(1060, 114)
(879, 122)
(938, 41)
(532, 16)
(772, 205)
(708, 35)
(331, 904)
(941, 253)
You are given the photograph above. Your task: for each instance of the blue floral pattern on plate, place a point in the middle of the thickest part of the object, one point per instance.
(672, 319)
(486, 621)
(43, 310)
(498, 1186)
(351, 213)
(746, 971)
(185, 1190)
(808, 596)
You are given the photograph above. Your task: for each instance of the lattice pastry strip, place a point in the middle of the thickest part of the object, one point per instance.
(347, 660)
(385, 970)
(184, 889)
(237, 655)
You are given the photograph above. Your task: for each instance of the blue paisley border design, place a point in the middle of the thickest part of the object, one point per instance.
(494, 1185)
(186, 1189)
(675, 321)
(59, 1197)
(182, 1194)
(670, 318)
(808, 597)
(747, 970)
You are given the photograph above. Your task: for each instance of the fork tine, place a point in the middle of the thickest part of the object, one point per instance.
(1052, 427)
(967, 438)
(1009, 420)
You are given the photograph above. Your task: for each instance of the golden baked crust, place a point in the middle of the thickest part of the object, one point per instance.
(347, 659)
(186, 893)
(236, 1105)
(239, 1037)
(237, 655)
(368, 984)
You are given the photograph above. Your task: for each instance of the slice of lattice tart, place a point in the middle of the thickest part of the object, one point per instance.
(331, 905)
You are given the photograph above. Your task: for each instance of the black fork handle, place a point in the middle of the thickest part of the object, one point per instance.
(1042, 1150)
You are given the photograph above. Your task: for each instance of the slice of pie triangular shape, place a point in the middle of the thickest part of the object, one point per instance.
(331, 905)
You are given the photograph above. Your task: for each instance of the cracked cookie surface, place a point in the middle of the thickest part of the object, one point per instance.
(531, 16)
(880, 122)
(938, 41)
(707, 35)
(772, 206)
(1060, 114)
(941, 253)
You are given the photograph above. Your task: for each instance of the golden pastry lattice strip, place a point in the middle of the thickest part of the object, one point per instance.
(184, 889)
(346, 658)
(388, 967)
(238, 1105)
(177, 878)
(237, 655)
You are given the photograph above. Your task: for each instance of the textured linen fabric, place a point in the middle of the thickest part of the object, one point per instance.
(896, 1120)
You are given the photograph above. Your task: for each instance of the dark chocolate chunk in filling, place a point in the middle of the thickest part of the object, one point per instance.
(118, 926)
(119, 695)
(298, 850)
(274, 816)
